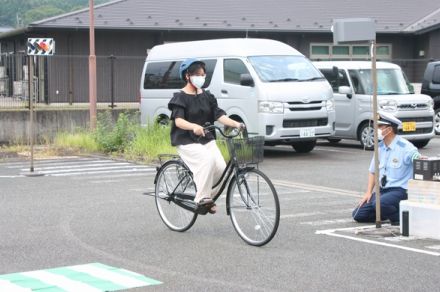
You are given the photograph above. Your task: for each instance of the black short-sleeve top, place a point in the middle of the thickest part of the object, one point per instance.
(195, 108)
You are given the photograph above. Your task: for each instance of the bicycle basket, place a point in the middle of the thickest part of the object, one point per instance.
(247, 150)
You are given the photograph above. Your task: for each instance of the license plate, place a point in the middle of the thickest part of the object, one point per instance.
(304, 133)
(409, 126)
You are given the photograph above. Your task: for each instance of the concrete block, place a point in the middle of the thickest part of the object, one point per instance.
(424, 219)
(421, 191)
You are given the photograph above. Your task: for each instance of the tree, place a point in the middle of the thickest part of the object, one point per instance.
(41, 13)
(33, 10)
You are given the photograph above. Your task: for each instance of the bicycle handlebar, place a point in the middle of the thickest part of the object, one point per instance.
(235, 131)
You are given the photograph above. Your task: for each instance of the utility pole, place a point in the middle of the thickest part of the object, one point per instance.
(376, 150)
(92, 68)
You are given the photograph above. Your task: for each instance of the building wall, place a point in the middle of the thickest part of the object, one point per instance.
(67, 70)
(434, 44)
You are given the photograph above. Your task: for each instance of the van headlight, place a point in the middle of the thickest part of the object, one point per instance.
(388, 105)
(330, 104)
(273, 107)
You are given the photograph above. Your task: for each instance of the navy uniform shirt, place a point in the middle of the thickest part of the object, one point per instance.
(396, 162)
(195, 108)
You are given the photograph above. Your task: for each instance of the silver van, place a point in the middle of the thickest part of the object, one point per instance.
(269, 86)
(352, 89)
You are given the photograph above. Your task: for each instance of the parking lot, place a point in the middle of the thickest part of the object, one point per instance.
(92, 209)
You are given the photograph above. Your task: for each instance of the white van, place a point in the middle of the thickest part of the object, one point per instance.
(352, 85)
(269, 86)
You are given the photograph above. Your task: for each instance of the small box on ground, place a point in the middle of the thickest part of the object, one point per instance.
(427, 169)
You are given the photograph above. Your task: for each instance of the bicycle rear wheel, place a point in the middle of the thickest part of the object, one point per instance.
(254, 207)
(174, 178)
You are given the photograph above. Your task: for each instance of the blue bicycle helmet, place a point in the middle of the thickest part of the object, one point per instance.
(185, 65)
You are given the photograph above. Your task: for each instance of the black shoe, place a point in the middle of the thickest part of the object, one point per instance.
(205, 202)
(204, 205)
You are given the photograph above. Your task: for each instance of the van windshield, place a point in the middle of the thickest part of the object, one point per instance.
(389, 81)
(285, 68)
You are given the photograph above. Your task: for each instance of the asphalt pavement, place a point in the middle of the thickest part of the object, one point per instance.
(94, 210)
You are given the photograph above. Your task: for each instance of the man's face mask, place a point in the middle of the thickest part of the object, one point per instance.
(380, 133)
(197, 81)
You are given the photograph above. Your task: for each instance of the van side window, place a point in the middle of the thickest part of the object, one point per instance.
(232, 68)
(355, 79)
(165, 75)
(436, 75)
(335, 81)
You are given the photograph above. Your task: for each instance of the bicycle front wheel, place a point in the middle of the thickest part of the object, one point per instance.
(173, 179)
(254, 207)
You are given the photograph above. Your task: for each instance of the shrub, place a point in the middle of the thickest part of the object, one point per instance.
(114, 137)
(149, 142)
(79, 140)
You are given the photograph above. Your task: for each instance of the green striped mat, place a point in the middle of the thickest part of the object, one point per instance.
(92, 277)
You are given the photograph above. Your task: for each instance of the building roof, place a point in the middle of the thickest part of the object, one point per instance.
(404, 16)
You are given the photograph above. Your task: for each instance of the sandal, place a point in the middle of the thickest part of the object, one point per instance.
(204, 206)
(205, 202)
(213, 209)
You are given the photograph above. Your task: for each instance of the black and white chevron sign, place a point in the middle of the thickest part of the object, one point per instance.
(40, 46)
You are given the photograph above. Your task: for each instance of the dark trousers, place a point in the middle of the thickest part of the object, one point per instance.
(389, 206)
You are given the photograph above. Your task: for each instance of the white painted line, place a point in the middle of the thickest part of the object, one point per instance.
(11, 176)
(399, 238)
(290, 191)
(103, 171)
(435, 247)
(104, 181)
(61, 281)
(109, 276)
(331, 232)
(11, 287)
(327, 222)
(311, 187)
(128, 175)
(97, 168)
(341, 211)
(81, 165)
(301, 215)
(350, 228)
(66, 163)
(44, 160)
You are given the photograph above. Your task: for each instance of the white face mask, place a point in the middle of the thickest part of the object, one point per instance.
(380, 134)
(197, 81)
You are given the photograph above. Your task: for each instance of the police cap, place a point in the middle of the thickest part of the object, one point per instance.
(385, 118)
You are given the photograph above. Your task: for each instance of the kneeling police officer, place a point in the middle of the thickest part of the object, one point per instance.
(396, 156)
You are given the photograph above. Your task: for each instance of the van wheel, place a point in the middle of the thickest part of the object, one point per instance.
(366, 135)
(437, 121)
(304, 147)
(163, 120)
(420, 143)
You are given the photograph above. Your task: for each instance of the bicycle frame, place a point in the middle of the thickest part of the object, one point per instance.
(232, 168)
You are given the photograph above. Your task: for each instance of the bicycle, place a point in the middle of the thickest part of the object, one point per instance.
(251, 199)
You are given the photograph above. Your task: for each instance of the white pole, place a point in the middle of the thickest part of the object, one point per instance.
(375, 118)
(31, 109)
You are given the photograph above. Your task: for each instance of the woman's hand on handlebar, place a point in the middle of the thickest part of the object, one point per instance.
(240, 126)
(198, 130)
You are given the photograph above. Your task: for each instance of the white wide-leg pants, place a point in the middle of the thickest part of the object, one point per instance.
(207, 165)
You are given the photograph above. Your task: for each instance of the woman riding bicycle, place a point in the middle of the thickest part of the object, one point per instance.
(191, 108)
